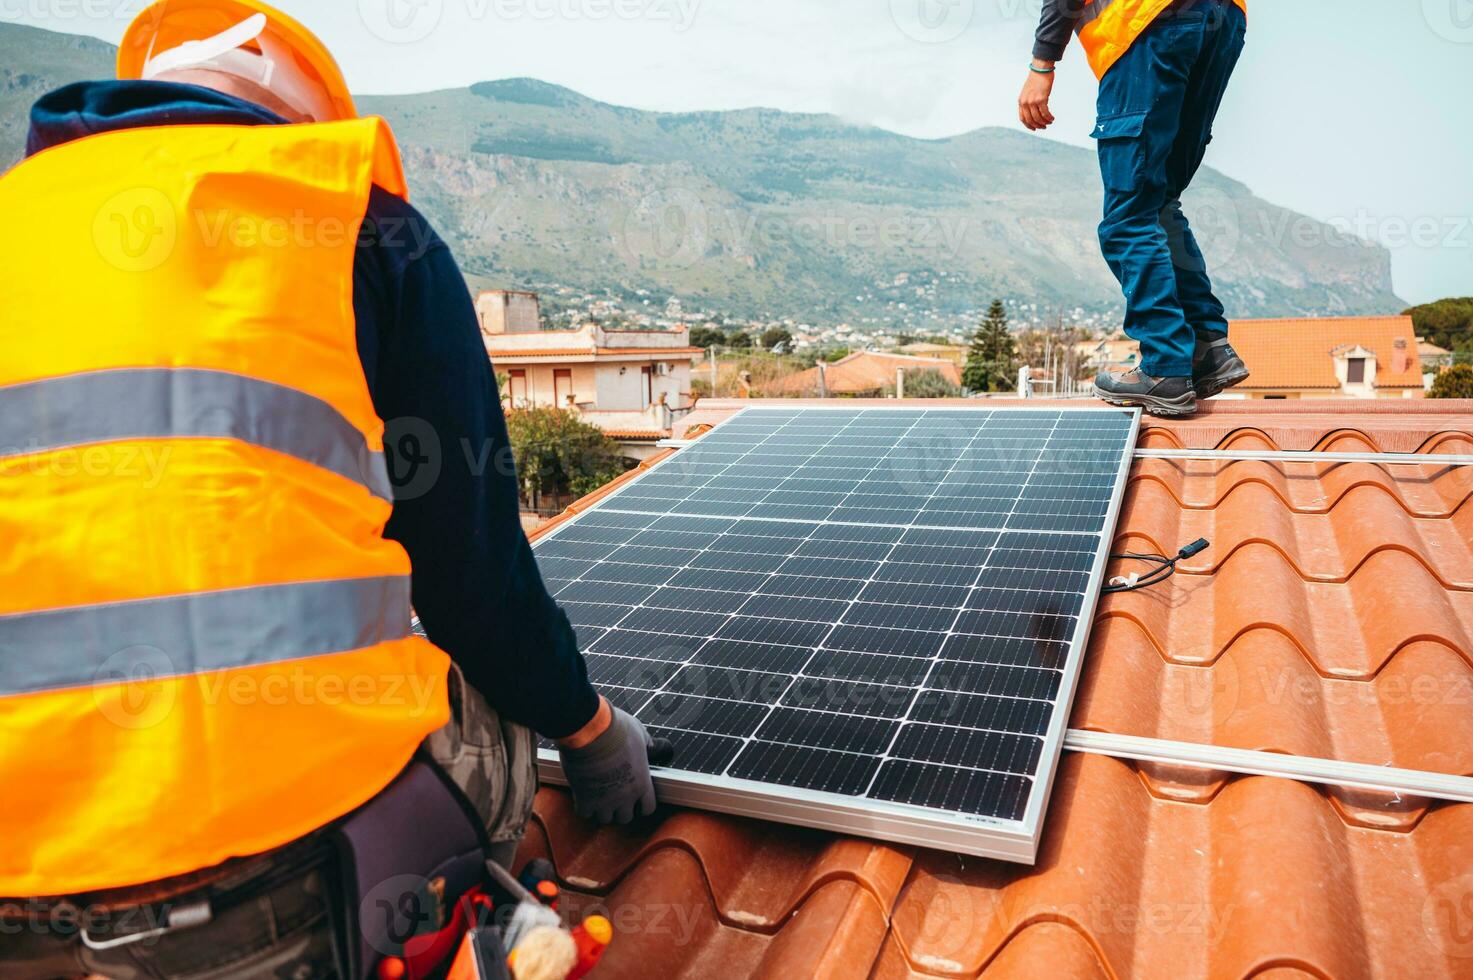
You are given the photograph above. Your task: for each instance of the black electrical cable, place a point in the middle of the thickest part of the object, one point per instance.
(1166, 567)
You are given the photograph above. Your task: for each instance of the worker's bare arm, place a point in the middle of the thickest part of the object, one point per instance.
(1033, 103)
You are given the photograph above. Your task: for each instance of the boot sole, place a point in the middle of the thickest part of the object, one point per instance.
(1173, 408)
(1218, 383)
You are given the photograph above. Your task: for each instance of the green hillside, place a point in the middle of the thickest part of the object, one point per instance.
(760, 212)
(32, 62)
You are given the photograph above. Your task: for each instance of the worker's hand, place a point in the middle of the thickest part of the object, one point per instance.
(610, 775)
(1033, 110)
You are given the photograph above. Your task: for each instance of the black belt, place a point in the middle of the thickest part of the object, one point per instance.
(175, 903)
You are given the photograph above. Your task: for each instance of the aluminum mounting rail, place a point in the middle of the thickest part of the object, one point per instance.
(1387, 459)
(1327, 772)
(1267, 456)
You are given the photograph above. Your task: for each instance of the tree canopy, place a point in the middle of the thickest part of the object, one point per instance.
(926, 384)
(1446, 323)
(992, 359)
(558, 453)
(1455, 382)
(707, 337)
(773, 336)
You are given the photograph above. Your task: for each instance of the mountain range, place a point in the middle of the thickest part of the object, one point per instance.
(763, 213)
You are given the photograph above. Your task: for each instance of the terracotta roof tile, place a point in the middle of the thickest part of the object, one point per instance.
(637, 433)
(1297, 353)
(654, 352)
(504, 355)
(1333, 617)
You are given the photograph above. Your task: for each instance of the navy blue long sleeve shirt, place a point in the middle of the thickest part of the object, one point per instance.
(1055, 24)
(475, 584)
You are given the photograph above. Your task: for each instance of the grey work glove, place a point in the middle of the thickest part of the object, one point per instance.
(610, 776)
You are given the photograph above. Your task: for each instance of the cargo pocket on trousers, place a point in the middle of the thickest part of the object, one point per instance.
(492, 760)
(1121, 152)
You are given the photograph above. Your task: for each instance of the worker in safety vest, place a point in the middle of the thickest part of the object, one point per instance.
(1163, 67)
(206, 651)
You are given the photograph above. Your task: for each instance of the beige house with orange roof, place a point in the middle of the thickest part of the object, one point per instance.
(1113, 353)
(1330, 357)
(630, 383)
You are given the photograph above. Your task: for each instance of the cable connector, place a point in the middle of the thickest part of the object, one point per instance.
(1194, 549)
(1165, 568)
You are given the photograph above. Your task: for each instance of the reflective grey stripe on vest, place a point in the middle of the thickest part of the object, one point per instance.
(161, 403)
(204, 631)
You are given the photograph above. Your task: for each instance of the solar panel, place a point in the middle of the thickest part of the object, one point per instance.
(862, 619)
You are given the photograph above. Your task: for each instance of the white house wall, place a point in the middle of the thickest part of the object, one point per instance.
(618, 392)
(674, 385)
(540, 379)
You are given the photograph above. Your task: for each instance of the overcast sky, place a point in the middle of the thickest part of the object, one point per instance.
(1354, 111)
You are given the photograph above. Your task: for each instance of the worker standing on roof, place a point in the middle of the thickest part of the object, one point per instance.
(1163, 67)
(209, 316)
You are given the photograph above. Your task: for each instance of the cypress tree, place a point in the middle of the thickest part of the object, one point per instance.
(992, 358)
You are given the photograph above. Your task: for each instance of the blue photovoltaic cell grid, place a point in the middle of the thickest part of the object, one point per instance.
(872, 602)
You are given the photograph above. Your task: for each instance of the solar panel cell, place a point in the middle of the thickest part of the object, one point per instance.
(807, 768)
(951, 788)
(850, 733)
(997, 751)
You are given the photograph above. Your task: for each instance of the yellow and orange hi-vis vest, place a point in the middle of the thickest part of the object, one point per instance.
(205, 645)
(1107, 28)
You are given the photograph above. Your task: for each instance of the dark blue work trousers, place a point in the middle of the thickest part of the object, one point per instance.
(1156, 108)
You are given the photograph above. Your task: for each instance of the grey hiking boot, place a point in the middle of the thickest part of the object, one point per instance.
(1216, 367)
(1136, 389)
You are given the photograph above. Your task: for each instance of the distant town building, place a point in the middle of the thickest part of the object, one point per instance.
(1434, 359)
(503, 311)
(954, 353)
(1112, 354)
(631, 383)
(1330, 357)
(860, 375)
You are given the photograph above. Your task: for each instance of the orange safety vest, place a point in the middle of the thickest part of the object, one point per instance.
(1107, 28)
(205, 648)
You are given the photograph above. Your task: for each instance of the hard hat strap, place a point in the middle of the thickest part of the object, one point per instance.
(194, 53)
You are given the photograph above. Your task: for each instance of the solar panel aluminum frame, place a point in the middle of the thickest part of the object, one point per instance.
(990, 837)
